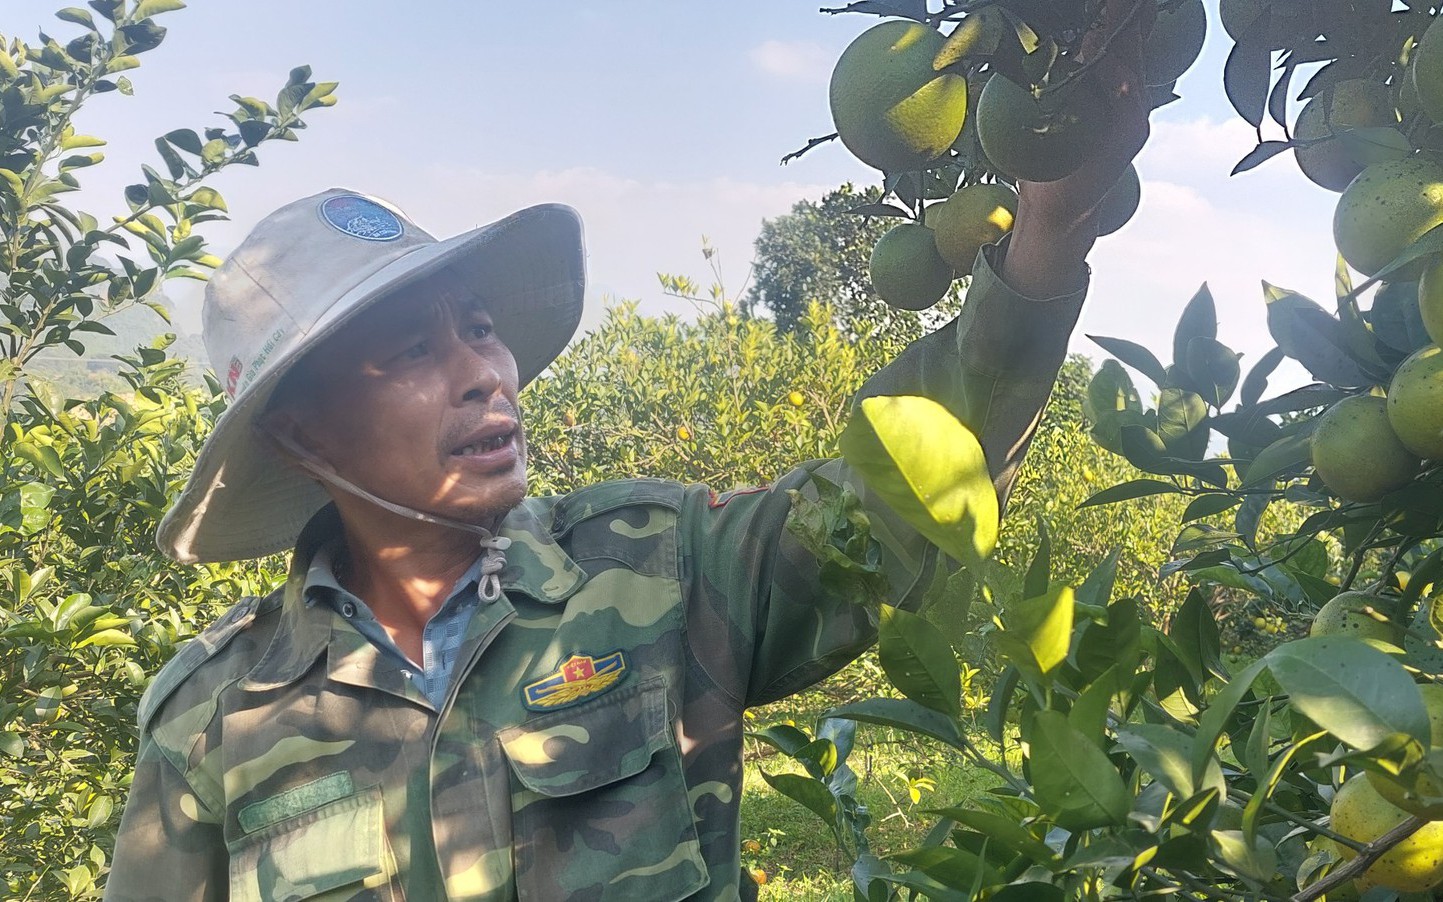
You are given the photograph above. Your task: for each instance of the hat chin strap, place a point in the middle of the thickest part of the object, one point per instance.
(493, 547)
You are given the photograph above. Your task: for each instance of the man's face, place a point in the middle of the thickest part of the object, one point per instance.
(415, 401)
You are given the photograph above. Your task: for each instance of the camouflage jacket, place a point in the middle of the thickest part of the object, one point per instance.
(590, 744)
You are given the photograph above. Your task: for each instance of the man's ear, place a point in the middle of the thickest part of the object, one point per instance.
(285, 431)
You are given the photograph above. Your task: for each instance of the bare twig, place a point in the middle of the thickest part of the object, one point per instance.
(810, 144)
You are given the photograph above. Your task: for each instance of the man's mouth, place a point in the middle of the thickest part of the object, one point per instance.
(497, 437)
(494, 443)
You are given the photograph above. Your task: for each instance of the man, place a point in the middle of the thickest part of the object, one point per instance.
(465, 693)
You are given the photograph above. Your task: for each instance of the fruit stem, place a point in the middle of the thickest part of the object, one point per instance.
(1199, 890)
(1101, 52)
(1365, 858)
(1299, 820)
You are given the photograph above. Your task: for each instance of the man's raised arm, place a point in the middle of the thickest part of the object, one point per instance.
(995, 365)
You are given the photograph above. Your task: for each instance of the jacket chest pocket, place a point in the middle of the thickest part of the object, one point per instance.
(599, 802)
(336, 851)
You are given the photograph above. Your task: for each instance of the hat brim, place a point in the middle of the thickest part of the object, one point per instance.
(243, 501)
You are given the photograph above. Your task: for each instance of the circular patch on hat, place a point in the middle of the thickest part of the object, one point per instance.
(361, 217)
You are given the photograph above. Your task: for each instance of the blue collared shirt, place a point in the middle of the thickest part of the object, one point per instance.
(440, 640)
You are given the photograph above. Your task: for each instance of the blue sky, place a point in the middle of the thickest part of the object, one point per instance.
(661, 122)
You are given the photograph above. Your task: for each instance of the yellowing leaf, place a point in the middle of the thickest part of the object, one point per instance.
(929, 468)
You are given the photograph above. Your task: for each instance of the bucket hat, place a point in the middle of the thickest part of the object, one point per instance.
(301, 274)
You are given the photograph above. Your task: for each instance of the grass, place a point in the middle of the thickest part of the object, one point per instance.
(797, 850)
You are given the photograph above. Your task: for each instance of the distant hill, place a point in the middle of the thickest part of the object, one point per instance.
(96, 372)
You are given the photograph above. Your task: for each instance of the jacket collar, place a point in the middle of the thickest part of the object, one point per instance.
(536, 566)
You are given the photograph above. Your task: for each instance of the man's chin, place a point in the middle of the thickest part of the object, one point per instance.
(495, 502)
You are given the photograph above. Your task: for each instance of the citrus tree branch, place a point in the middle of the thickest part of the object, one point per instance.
(1364, 859)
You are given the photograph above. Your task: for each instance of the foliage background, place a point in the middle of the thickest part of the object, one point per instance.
(90, 610)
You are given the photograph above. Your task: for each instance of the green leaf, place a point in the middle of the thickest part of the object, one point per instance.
(12, 744)
(1110, 389)
(1073, 779)
(1030, 891)
(1144, 449)
(1007, 831)
(810, 793)
(1042, 627)
(918, 660)
(1039, 572)
(1215, 717)
(1001, 701)
(208, 198)
(1194, 630)
(107, 639)
(819, 756)
(785, 738)
(1088, 714)
(76, 15)
(1199, 319)
(1180, 418)
(1312, 336)
(186, 139)
(1256, 755)
(1286, 456)
(929, 468)
(212, 153)
(1213, 370)
(1257, 859)
(35, 506)
(1096, 589)
(1118, 642)
(100, 810)
(1352, 690)
(254, 131)
(1108, 426)
(42, 456)
(1166, 755)
(1209, 505)
(147, 8)
(1257, 381)
(954, 868)
(1270, 778)
(903, 714)
(1134, 355)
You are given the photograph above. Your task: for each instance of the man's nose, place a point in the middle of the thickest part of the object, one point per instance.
(474, 374)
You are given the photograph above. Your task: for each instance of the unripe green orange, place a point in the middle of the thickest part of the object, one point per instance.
(892, 108)
(1361, 814)
(971, 217)
(1384, 210)
(1427, 71)
(1238, 16)
(1037, 140)
(1354, 103)
(1345, 615)
(1174, 43)
(1120, 202)
(1415, 403)
(1356, 452)
(1427, 782)
(1430, 299)
(906, 270)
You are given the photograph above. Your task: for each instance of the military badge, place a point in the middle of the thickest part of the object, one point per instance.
(361, 217)
(580, 677)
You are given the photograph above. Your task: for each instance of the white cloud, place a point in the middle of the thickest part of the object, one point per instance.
(1197, 225)
(803, 61)
(634, 227)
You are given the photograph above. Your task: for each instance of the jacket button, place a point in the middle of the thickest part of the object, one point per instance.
(348, 609)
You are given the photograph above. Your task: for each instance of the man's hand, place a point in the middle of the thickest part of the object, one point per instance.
(1056, 226)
